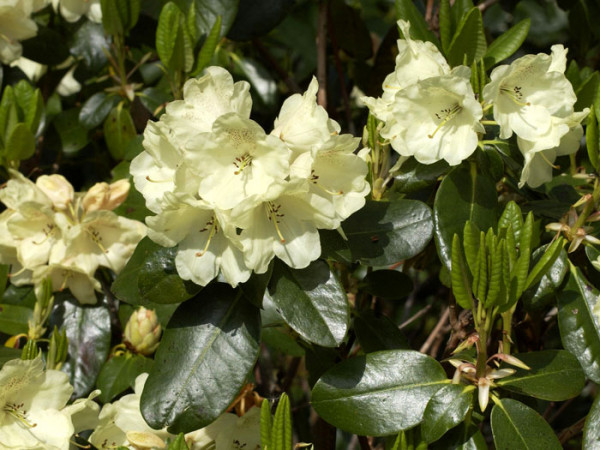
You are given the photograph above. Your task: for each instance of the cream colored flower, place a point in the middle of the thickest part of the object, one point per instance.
(72, 10)
(15, 25)
(32, 407)
(228, 432)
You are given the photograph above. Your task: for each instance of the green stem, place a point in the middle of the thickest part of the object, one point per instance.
(507, 329)
(589, 206)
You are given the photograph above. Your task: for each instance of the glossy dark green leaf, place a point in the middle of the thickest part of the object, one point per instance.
(555, 375)
(378, 333)
(6, 354)
(461, 438)
(150, 276)
(47, 47)
(20, 143)
(279, 339)
(88, 44)
(119, 373)
(254, 289)
(419, 29)
(208, 48)
(387, 283)
(446, 409)
(380, 393)
(88, 331)
(413, 176)
(464, 194)
(579, 322)
(19, 295)
(96, 108)
(118, 131)
(468, 43)
(206, 352)
(543, 292)
(73, 136)
(518, 427)
(261, 80)
(14, 319)
(587, 91)
(591, 431)
(545, 262)
(256, 18)
(507, 43)
(312, 301)
(207, 12)
(384, 233)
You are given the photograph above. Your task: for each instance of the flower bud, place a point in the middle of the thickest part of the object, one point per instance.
(142, 332)
(105, 196)
(57, 189)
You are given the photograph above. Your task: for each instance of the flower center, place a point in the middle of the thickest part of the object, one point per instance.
(274, 215)
(444, 116)
(515, 94)
(213, 227)
(18, 412)
(314, 178)
(241, 162)
(48, 231)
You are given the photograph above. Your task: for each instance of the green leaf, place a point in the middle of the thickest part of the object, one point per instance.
(256, 19)
(414, 176)
(4, 271)
(468, 44)
(118, 131)
(169, 24)
(464, 194)
(88, 333)
(382, 233)
(119, 16)
(119, 373)
(96, 108)
(265, 424)
(459, 274)
(496, 286)
(516, 426)
(30, 103)
(511, 216)
(555, 375)
(73, 136)
(312, 301)
(591, 138)
(178, 443)
(207, 350)
(208, 48)
(20, 144)
(579, 322)
(591, 430)
(14, 319)
(150, 276)
(481, 280)
(380, 393)
(446, 31)
(88, 44)
(419, 29)
(6, 354)
(543, 292)
(281, 433)
(387, 283)
(507, 43)
(446, 409)
(207, 12)
(471, 245)
(543, 265)
(378, 333)
(587, 91)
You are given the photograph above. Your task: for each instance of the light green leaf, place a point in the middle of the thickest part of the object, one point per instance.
(507, 43)
(20, 144)
(208, 48)
(281, 433)
(461, 283)
(446, 30)
(118, 131)
(419, 29)
(468, 43)
(265, 424)
(591, 431)
(591, 138)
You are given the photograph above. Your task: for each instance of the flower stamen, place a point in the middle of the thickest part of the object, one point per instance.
(515, 94)
(274, 215)
(241, 162)
(18, 413)
(445, 115)
(214, 229)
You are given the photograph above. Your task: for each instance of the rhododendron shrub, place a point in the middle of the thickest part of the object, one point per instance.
(299, 224)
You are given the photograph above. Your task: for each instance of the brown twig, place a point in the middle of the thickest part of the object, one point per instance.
(364, 443)
(416, 316)
(571, 431)
(429, 12)
(437, 329)
(322, 53)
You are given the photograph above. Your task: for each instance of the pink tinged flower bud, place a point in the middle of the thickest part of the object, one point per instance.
(105, 196)
(57, 189)
(142, 332)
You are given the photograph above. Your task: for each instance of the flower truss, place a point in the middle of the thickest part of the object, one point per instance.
(231, 195)
(430, 111)
(122, 424)
(49, 231)
(33, 411)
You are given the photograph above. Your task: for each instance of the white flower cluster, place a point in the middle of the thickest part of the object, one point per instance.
(533, 98)
(122, 424)
(72, 10)
(48, 230)
(233, 197)
(33, 411)
(16, 25)
(431, 113)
